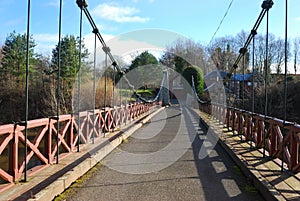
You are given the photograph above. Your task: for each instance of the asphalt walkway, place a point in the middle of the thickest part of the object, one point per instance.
(169, 158)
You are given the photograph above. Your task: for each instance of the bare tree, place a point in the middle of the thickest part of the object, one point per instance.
(241, 38)
(275, 52)
(223, 52)
(296, 53)
(185, 52)
(278, 55)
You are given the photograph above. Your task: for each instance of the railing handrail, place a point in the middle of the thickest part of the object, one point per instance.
(269, 133)
(280, 121)
(43, 130)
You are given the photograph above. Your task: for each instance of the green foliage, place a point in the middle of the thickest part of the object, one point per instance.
(144, 58)
(42, 78)
(1, 57)
(14, 56)
(12, 79)
(69, 56)
(172, 60)
(180, 64)
(196, 72)
(69, 67)
(144, 70)
(146, 93)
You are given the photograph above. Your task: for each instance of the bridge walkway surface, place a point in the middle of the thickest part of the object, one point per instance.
(169, 158)
(264, 171)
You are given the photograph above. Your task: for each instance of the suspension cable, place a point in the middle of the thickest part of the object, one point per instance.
(82, 4)
(79, 80)
(266, 5)
(221, 22)
(266, 81)
(196, 95)
(58, 79)
(121, 111)
(26, 87)
(243, 83)
(253, 94)
(121, 88)
(94, 87)
(105, 88)
(114, 83)
(253, 70)
(157, 95)
(285, 80)
(234, 101)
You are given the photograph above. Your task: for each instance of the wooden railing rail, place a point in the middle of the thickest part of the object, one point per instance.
(42, 134)
(277, 137)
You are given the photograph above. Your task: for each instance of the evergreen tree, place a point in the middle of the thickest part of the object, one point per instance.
(69, 67)
(144, 58)
(69, 56)
(144, 70)
(1, 57)
(174, 61)
(13, 73)
(14, 57)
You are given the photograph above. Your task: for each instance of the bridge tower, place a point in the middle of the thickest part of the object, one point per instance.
(165, 96)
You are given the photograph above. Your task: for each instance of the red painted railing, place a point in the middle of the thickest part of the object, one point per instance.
(279, 138)
(42, 134)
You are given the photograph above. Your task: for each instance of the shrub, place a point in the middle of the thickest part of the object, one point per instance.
(197, 73)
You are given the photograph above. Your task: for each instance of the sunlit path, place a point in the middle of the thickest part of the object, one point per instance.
(215, 177)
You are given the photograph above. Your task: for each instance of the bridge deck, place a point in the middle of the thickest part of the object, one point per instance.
(167, 160)
(265, 172)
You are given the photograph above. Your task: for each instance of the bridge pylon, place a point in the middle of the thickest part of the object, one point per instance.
(165, 96)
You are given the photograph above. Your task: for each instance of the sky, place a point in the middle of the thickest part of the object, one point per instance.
(194, 19)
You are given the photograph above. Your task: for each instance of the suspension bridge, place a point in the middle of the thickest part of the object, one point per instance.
(155, 149)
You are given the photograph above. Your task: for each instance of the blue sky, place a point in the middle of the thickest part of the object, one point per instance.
(195, 19)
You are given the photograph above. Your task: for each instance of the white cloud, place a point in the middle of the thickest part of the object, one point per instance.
(45, 43)
(298, 18)
(290, 68)
(136, 1)
(54, 3)
(128, 45)
(127, 49)
(46, 37)
(89, 41)
(117, 13)
(120, 48)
